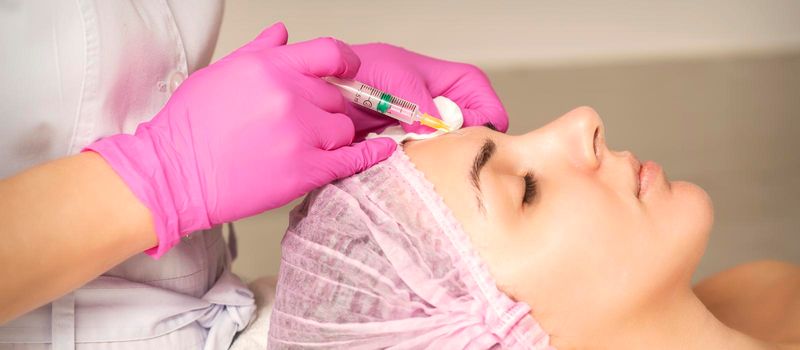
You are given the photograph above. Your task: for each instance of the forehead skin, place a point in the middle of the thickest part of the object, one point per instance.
(446, 162)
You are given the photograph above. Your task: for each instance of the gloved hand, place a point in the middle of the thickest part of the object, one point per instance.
(249, 133)
(419, 79)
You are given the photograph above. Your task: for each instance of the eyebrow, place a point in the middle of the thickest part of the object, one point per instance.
(484, 154)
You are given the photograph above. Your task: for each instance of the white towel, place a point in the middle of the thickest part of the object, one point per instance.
(255, 335)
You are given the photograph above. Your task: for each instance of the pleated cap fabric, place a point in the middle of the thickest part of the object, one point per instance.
(378, 261)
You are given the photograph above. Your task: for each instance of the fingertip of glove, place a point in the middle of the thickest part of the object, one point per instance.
(384, 147)
(363, 155)
(351, 60)
(277, 30)
(496, 121)
(376, 150)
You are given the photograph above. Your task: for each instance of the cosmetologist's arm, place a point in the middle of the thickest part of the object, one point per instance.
(64, 223)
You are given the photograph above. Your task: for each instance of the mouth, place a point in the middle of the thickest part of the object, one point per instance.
(637, 171)
(648, 171)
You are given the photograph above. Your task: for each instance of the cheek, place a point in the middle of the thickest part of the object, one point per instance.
(578, 238)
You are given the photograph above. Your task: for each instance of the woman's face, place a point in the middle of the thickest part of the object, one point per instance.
(572, 228)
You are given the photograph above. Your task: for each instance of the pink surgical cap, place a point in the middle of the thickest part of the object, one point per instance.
(377, 261)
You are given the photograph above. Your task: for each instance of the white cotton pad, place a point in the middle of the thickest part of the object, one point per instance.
(448, 110)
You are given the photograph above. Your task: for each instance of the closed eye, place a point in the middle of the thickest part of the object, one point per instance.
(530, 189)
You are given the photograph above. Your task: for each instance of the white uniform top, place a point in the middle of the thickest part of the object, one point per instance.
(73, 71)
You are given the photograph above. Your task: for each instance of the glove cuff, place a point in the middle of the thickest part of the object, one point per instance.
(170, 191)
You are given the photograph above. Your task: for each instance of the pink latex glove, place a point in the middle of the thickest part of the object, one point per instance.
(246, 134)
(419, 79)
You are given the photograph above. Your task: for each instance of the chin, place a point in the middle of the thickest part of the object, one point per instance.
(696, 199)
(694, 219)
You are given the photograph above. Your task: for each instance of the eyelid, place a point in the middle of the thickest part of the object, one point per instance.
(530, 189)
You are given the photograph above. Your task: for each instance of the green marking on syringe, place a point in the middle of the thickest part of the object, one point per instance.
(385, 103)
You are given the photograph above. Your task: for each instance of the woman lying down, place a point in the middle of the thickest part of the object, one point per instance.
(481, 240)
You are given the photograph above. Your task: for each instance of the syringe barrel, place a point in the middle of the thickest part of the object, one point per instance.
(376, 100)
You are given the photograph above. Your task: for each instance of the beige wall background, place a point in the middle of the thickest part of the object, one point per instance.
(710, 89)
(496, 34)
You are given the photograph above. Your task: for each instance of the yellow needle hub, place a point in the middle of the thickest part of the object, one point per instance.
(436, 123)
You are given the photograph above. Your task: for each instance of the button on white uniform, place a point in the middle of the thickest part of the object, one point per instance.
(175, 80)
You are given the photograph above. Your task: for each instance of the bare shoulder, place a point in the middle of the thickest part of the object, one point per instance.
(760, 298)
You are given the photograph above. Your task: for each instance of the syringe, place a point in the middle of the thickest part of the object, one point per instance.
(384, 103)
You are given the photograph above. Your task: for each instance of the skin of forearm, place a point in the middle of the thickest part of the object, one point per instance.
(64, 223)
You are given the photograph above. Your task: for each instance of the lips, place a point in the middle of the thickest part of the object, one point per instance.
(647, 175)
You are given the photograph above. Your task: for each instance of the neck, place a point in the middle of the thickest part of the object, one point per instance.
(678, 322)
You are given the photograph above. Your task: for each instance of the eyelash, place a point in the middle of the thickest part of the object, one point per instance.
(530, 188)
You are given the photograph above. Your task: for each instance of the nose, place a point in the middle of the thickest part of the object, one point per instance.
(581, 134)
